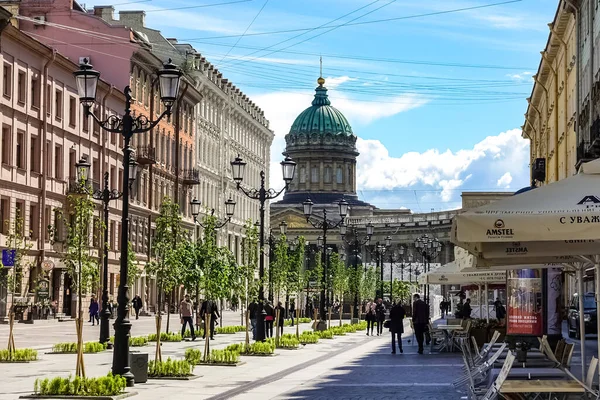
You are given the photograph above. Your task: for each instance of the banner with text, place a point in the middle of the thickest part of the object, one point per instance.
(525, 311)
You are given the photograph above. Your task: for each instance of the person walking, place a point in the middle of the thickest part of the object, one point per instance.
(397, 315)
(380, 316)
(467, 310)
(209, 307)
(281, 310)
(252, 310)
(94, 311)
(269, 318)
(370, 315)
(292, 311)
(500, 311)
(90, 307)
(186, 308)
(420, 317)
(137, 305)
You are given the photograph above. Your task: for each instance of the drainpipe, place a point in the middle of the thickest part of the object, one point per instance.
(44, 169)
(103, 141)
(578, 68)
(539, 121)
(177, 127)
(556, 147)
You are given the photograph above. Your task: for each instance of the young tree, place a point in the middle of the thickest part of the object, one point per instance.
(296, 275)
(12, 277)
(339, 279)
(249, 265)
(279, 266)
(81, 265)
(133, 269)
(368, 283)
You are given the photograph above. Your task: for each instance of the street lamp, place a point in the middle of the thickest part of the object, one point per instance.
(378, 251)
(429, 248)
(238, 166)
(229, 211)
(324, 224)
(87, 82)
(355, 244)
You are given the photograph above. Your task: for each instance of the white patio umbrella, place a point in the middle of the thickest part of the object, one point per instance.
(556, 223)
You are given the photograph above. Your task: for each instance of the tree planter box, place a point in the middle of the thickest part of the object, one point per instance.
(206, 364)
(288, 348)
(16, 362)
(258, 355)
(176, 378)
(62, 396)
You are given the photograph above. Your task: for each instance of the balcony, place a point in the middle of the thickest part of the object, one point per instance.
(146, 155)
(191, 176)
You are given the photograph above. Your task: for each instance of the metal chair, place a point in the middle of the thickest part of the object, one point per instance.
(437, 336)
(477, 372)
(591, 373)
(565, 359)
(560, 348)
(494, 390)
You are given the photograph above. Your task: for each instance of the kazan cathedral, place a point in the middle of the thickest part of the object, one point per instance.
(323, 145)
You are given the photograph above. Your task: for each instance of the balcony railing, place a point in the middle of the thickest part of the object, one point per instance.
(146, 155)
(191, 176)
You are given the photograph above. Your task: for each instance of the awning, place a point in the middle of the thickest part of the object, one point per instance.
(450, 273)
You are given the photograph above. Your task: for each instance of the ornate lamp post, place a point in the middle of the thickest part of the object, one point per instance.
(262, 195)
(378, 252)
(229, 211)
(355, 243)
(87, 82)
(428, 248)
(324, 224)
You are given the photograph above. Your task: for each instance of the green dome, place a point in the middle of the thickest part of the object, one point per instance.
(321, 118)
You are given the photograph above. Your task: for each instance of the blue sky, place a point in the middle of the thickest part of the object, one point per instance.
(436, 100)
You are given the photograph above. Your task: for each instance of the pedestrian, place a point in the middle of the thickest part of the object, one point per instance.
(397, 315)
(420, 317)
(269, 318)
(467, 310)
(370, 316)
(90, 307)
(380, 314)
(292, 311)
(94, 311)
(252, 310)
(442, 307)
(309, 309)
(186, 308)
(209, 308)
(281, 310)
(137, 305)
(500, 311)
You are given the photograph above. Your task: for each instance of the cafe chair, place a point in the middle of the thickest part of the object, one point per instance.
(493, 392)
(560, 348)
(438, 338)
(591, 374)
(567, 355)
(476, 373)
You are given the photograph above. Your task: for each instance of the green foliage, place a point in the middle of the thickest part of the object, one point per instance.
(166, 337)
(187, 334)
(279, 266)
(288, 341)
(338, 330)
(18, 355)
(169, 368)
(110, 385)
(193, 356)
(133, 269)
(223, 357)
(237, 347)
(249, 262)
(355, 277)
(361, 325)
(349, 328)
(257, 348)
(339, 276)
(307, 337)
(317, 272)
(296, 273)
(88, 347)
(18, 241)
(136, 341)
(368, 284)
(230, 329)
(402, 290)
(326, 334)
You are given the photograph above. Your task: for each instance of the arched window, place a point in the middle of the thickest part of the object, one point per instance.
(339, 175)
(314, 175)
(327, 175)
(302, 174)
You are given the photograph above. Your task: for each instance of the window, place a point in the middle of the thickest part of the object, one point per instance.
(302, 174)
(21, 82)
(20, 150)
(327, 177)
(96, 172)
(58, 225)
(113, 177)
(58, 104)
(72, 162)
(112, 231)
(49, 158)
(314, 175)
(339, 175)
(72, 111)
(120, 183)
(118, 244)
(58, 162)
(4, 215)
(20, 213)
(111, 287)
(48, 104)
(35, 91)
(34, 221)
(6, 145)
(34, 157)
(85, 122)
(7, 80)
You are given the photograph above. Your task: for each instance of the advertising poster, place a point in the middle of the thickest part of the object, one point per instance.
(553, 309)
(525, 312)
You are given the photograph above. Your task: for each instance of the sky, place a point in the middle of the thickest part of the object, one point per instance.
(435, 90)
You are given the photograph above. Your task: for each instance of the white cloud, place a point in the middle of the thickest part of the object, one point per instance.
(333, 82)
(505, 180)
(520, 77)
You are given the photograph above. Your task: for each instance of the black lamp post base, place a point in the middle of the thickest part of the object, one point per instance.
(260, 323)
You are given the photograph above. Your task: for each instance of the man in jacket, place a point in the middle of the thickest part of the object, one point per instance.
(209, 307)
(185, 313)
(252, 310)
(397, 315)
(420, 317)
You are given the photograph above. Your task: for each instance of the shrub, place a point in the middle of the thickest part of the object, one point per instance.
(166, 337)
(309, 338)
(223, 357)
(304, 320)
(237, 347)
(229, 329)
(188, 334)
(361, 325)
(260, 348)
(19, 355)
(136, 341)
(193, 356)
(170, 368)
(288, 341)
(109, 385)
(349, 328)
(88, 347)
(338, 330)
(326, 334)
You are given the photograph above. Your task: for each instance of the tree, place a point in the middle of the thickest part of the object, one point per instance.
(248, 288)
(81, 265)
(167, 234)
(13, 279)
(133, 269)
(280, 266)
(401, 290)
(296, 274)
(368, 283)
(317, 273)
(339, 279)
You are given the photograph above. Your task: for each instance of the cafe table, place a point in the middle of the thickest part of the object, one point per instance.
(530, 374)
(530, 363)
(519, 389)
(449, 344)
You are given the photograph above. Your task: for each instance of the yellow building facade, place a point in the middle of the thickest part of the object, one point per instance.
(550, 120)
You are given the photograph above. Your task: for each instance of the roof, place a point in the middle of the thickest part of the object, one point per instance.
(321, 118)
(322, 198)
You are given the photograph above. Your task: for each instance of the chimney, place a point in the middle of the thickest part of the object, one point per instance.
(105, 12)
(134, 19)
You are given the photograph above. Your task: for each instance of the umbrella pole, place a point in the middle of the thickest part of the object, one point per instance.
(581, 320)
(487, 309)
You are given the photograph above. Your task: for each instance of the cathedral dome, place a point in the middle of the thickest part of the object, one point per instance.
(321, 118)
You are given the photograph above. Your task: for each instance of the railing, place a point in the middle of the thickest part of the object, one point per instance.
(402, 219)
(146, 155)
(191, 176)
